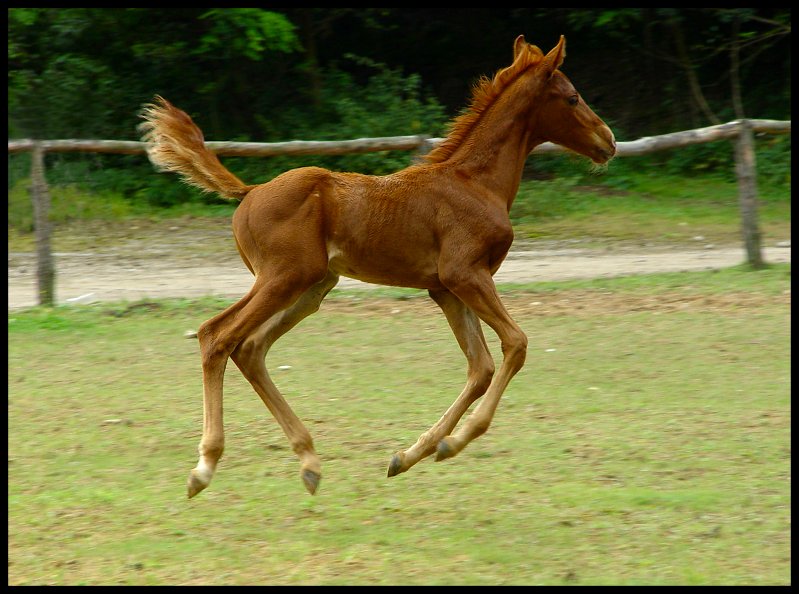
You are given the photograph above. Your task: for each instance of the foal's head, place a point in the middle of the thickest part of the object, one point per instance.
(560, 114)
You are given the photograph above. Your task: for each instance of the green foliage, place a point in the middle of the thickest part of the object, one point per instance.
(545, 199)
(67, 203)
(53, 319)
(650, 198)
(718, 158)
(563, 195)
(52, 103)
(773, 156)
(708, 160)
(389, 104)
(247, 32)
(20, 211)
(128, 180)
(616, 20)
(299, 73)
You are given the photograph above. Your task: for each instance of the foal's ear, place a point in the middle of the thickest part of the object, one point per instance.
(554, 58)
(521, 45)
(518, 46)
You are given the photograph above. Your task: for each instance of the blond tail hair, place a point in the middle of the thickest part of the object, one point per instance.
(175, 143)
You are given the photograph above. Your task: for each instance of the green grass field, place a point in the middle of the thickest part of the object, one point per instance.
(646, 441)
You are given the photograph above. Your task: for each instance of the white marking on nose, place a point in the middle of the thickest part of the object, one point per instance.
(612, 137)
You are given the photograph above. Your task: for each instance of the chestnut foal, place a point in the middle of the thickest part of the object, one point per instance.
(440, 225)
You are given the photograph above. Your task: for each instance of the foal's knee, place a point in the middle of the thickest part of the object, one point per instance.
(514, 348)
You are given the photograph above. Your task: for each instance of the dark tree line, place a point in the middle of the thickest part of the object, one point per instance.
(338, 73)
(81, 72)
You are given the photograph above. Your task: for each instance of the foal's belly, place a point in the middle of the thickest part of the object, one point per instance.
(385, 266)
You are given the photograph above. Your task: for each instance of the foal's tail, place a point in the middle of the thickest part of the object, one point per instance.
(175, 143)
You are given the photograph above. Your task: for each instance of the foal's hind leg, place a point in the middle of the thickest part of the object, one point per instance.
(212, 443)
(218, 337)
(466, 327)
(249, 357)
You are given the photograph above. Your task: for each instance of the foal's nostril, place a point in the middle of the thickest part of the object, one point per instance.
(611, 140)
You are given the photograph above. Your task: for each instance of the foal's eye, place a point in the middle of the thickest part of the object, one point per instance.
(573, 100)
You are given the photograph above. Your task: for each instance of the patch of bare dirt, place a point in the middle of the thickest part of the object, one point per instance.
(198, 258)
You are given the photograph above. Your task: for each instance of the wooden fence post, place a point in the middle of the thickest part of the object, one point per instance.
(745, 169)
(40, 196)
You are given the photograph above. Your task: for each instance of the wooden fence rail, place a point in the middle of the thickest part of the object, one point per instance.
(642, 146)
(740, 131)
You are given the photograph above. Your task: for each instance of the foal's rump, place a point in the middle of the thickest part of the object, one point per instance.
(279, 225)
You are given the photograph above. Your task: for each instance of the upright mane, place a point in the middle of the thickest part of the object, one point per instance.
(484, 92)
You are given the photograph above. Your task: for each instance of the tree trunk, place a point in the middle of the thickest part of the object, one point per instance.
(690, 73)
(311, 59)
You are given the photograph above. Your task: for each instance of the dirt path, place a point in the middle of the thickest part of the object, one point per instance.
(162, 268)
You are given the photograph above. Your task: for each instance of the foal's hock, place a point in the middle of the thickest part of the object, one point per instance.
(440, 225)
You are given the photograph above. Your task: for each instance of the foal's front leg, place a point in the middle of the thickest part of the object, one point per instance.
(466, 327)
(477, 290)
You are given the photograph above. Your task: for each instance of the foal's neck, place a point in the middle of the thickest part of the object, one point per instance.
(494, 153)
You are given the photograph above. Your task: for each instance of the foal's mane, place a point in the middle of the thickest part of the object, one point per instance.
(484, 92)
